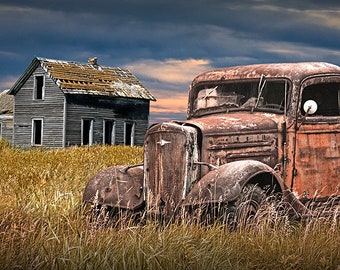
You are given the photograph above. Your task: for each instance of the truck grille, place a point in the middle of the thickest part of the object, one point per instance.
(170, 152)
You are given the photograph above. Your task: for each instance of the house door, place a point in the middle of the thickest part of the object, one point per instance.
(317, 157)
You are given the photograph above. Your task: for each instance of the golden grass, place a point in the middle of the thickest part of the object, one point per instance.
(43, 224)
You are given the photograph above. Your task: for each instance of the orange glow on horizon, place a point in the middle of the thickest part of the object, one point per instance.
(174, 104)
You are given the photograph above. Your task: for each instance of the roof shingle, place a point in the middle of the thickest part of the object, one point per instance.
(6, 103)
(76, 78)
(89, 78)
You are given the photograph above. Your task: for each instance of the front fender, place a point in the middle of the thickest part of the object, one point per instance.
(118, 186)
(226, 182)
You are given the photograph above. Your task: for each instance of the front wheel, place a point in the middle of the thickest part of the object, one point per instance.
(243, 210)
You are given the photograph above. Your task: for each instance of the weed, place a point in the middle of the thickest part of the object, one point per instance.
(44, 224)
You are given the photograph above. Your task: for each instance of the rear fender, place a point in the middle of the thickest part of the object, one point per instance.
(118, 186)
(226, 182)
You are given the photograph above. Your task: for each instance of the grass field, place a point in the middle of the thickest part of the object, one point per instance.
(43, 224)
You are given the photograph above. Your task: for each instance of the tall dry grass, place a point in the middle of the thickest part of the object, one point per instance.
(43, 224)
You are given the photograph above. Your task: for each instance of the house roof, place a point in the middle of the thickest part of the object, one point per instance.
(89, 78)
(6, 103)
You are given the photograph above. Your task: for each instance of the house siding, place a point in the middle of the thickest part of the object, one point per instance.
(50, 109)
(6, 125)
(98, 109)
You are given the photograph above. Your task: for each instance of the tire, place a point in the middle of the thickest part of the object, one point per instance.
(242, 212)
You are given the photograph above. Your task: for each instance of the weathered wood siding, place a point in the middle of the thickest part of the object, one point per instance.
(99, 109)
(50, 110)
(6, 124)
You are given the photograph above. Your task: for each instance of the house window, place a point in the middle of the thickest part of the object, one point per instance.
(87, 132)
(129, 133)
(37, 132)
(109, 132)
(39, 88)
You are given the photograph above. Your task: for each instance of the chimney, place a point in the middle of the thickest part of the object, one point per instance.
(93, 61)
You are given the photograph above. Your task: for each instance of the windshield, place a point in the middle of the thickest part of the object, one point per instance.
(261, 94)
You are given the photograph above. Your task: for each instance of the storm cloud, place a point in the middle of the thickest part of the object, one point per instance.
(166, 43)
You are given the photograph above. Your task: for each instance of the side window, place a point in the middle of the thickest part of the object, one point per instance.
(109, 132)
(37, 132)
(326, 96)
(39, 87)
(86, 131)
(129, 133)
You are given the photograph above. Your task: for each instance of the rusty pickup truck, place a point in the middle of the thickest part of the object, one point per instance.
(251, 132)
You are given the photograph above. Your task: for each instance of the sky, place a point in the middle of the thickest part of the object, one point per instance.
(166, 43)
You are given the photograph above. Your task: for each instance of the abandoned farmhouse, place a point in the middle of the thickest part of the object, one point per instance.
(61, 103)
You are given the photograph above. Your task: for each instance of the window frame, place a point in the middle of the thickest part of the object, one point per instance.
(317, 117)
(252, 83)
(35, 87)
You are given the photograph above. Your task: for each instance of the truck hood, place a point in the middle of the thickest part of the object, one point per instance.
(239, 136)
(239, 123)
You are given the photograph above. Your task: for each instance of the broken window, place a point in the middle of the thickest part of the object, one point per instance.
(87, 132)
(129, 133)
(263, 94)
(37, 131)
(109, 132)
(39, 87)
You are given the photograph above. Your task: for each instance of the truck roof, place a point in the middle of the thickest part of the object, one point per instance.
(292, 71)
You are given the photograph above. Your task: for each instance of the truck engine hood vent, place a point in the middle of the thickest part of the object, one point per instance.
(238, 137)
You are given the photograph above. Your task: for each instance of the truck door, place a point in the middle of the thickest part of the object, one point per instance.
(317, 154)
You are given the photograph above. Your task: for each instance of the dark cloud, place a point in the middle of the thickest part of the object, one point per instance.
(124, 32)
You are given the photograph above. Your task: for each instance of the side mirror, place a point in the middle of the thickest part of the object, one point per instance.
(310, 107)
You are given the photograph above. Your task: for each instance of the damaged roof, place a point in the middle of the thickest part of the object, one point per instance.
(89, 78)
(6, 103)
